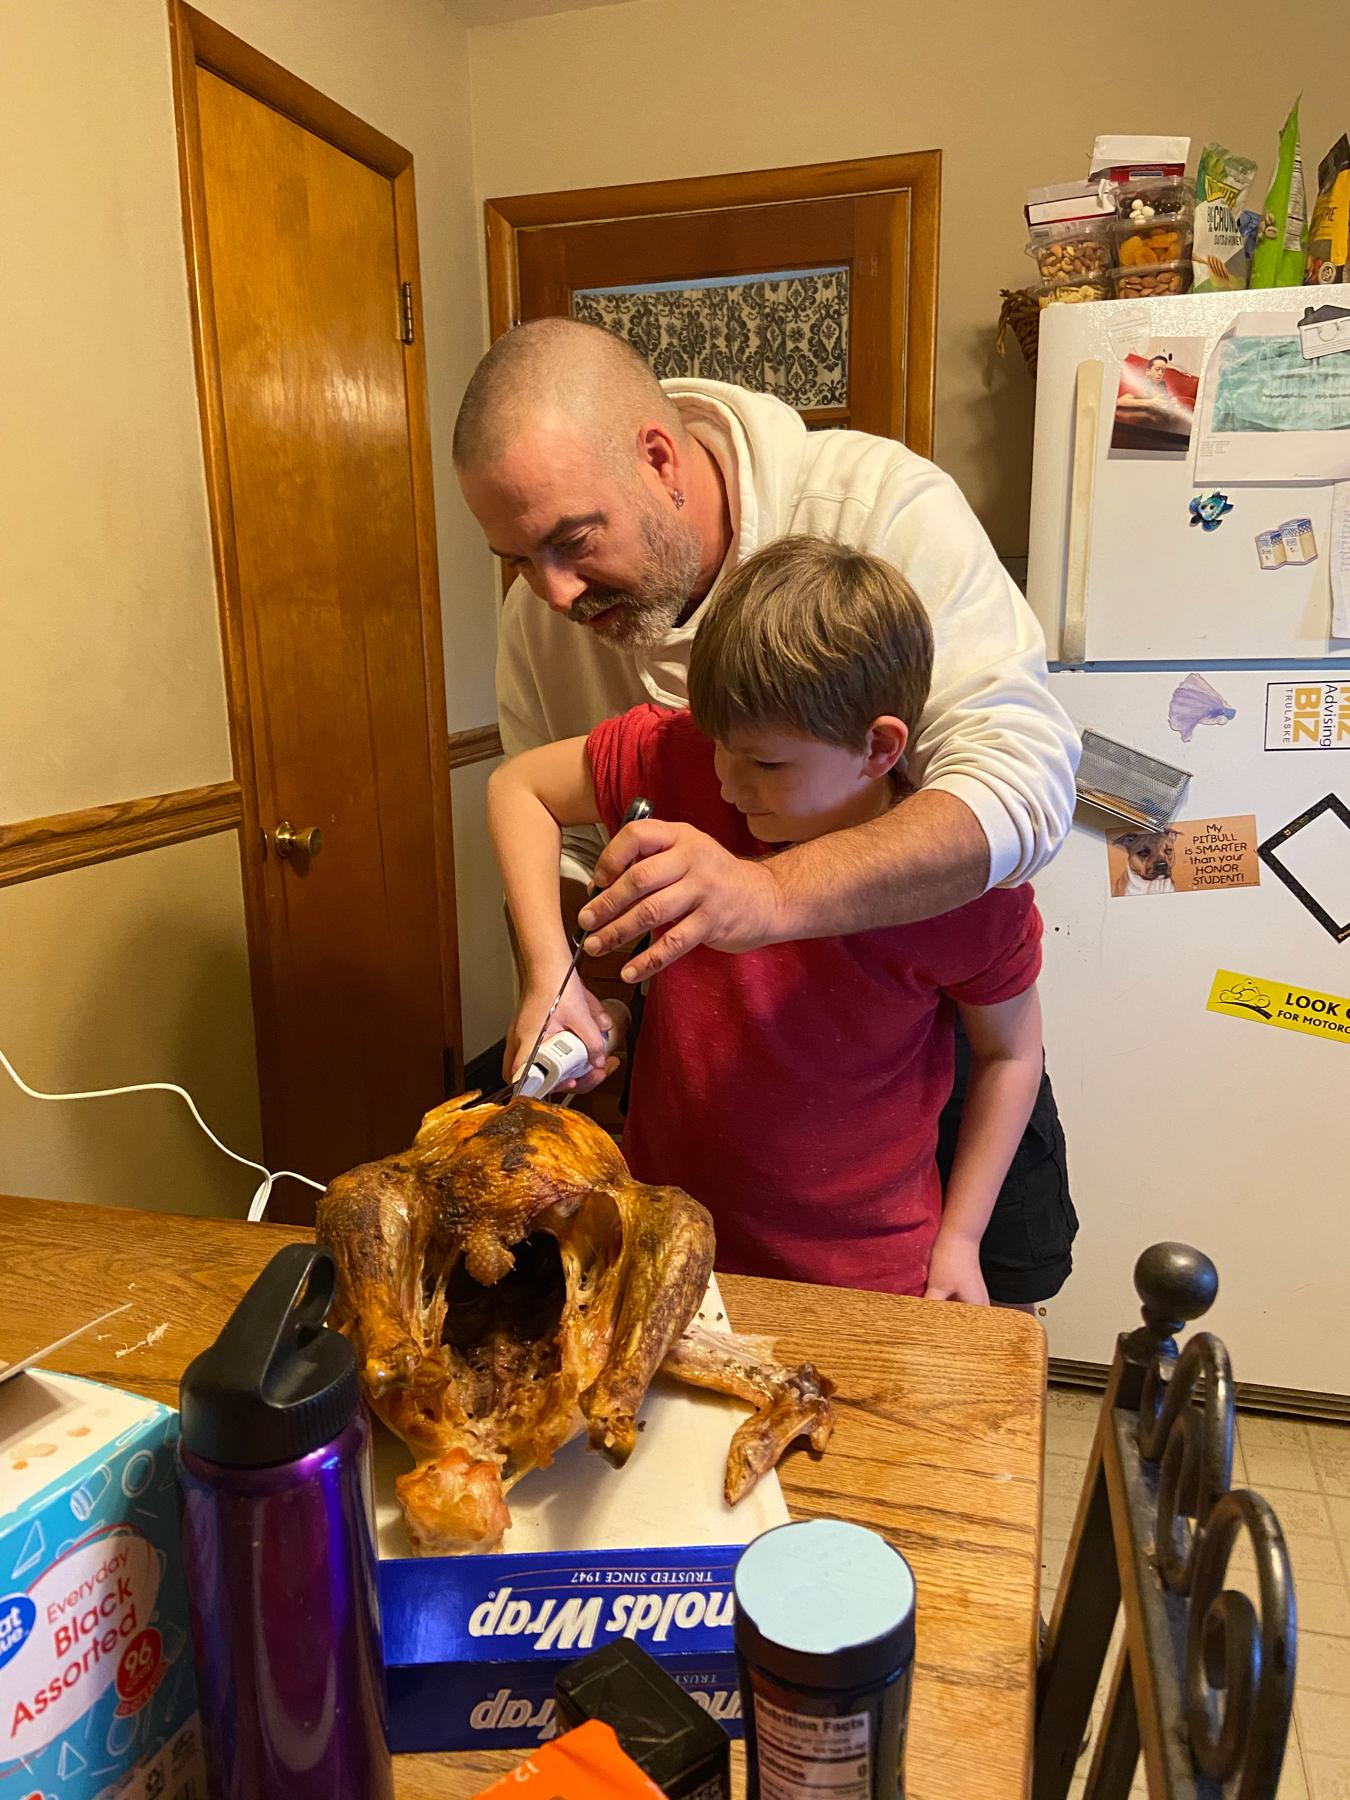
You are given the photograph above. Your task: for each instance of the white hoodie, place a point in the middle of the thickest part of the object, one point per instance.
(991, 733)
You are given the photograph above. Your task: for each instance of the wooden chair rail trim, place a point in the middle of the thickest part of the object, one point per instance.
(479, 745)
(211, 47)
(754, 187)
(95, 834)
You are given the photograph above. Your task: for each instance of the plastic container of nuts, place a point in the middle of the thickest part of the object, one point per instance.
(1156, 197)
(1143, 282)
(1071, 248)
(1069, 293)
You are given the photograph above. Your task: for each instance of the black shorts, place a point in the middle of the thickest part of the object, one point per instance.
(1027, 1252)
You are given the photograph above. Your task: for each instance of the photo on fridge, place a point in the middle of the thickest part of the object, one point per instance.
(1155, 398)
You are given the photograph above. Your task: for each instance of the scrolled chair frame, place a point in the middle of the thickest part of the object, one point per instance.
(1203, 1684)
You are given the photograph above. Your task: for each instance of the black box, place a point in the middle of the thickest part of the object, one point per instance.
(668, 1735)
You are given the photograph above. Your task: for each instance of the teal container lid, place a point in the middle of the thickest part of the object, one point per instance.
(823, 1604)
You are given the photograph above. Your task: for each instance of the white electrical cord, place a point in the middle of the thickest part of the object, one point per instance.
(257, 1206)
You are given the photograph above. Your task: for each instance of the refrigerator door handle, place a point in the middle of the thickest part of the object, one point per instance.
(1086, 423)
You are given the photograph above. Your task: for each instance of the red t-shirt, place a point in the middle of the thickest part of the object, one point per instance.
(795, 1090)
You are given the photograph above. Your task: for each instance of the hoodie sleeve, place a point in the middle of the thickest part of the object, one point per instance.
(992, 733)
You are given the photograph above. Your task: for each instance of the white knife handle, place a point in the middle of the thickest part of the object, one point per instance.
(563, 1057)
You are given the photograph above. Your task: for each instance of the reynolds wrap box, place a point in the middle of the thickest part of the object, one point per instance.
(472, 1644)
(97, 1696)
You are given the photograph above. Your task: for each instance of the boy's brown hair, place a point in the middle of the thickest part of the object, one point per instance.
(814, 637)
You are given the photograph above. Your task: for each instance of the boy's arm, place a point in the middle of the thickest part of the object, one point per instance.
(530, 799)
(1005, 1076)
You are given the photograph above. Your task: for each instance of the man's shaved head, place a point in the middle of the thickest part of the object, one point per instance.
(559, 370)
(578, 468)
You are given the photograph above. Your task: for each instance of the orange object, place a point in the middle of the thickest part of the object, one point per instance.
(587, 1764)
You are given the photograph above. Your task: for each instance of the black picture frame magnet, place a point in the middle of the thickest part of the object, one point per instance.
(1269, 854)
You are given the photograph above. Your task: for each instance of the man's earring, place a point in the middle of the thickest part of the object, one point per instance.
(678, 497)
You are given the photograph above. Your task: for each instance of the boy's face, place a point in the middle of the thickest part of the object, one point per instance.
(792, 787)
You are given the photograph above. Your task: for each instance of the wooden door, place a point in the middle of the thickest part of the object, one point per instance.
(302, 239)
(816, 283)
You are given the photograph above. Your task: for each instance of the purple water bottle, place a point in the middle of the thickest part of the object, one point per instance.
(279, 1545)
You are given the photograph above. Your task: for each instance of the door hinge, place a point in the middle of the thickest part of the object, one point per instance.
(405, 312)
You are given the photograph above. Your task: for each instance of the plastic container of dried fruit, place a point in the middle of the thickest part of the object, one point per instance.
(1141, 243)
(1069, 293)
(1071, 248)
(1143, 281)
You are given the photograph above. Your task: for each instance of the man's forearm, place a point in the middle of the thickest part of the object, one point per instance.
(925, 857)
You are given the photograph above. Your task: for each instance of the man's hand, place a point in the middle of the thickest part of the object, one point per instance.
(954, 1271)
(578, 1011)
(680, 883)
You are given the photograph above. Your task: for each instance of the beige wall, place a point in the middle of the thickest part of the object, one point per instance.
(1013, 98)
(110, 672)
(127, 972)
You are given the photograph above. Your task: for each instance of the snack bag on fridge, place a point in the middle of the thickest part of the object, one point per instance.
(1278, 261)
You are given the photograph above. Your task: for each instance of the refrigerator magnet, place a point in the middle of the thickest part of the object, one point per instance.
(1311, 856)
(1292, 545)
(1308, 715)
(1192, 856)
(1197, 702)
(1265, 1002)
(1208, 510)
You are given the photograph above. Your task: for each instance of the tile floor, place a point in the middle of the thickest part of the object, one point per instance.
(1304, 1472)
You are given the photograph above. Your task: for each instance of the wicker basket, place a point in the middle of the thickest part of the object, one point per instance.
(1021, 311)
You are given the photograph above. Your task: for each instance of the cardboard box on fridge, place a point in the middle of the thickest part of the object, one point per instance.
(472, 1643)
(97, 1693)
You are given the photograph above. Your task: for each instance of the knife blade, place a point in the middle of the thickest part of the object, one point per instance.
(640, 809)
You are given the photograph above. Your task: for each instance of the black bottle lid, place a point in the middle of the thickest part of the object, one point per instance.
(276, 1384)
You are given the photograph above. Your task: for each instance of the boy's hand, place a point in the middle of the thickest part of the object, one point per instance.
(578, 1011)
(673, 879)
(954, 1270)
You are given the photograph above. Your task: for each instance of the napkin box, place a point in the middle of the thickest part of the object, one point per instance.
(97, 1693)
(472, 1644)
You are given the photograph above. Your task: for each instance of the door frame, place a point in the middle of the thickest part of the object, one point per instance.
(198, 42)
(918, 172)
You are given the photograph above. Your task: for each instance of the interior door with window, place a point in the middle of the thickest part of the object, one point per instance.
(816, 284)
(302, 242)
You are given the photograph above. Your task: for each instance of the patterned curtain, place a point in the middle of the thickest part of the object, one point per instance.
(779, 334)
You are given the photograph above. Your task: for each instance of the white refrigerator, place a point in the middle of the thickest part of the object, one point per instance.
(1188, 560)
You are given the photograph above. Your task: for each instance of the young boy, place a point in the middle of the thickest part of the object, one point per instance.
(795, 1090)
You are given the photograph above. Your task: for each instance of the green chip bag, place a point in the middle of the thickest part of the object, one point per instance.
(1278, 259)
(1219, 256)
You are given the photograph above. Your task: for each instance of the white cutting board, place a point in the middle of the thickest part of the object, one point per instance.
(667, 1495)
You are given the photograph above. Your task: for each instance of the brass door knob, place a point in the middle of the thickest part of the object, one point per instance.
(286, 840)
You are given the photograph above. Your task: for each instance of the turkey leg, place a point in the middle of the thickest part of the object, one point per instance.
(789, 1403)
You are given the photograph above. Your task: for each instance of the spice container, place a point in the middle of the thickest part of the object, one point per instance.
(1059, 293)
(825, 1652)
(1073, 248)
(1144, 281)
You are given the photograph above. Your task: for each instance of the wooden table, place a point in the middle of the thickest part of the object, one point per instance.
(939, 1441)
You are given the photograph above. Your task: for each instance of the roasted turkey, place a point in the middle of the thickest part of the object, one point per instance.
(506, 1282)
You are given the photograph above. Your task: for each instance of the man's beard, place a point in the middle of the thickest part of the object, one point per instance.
(644, 615)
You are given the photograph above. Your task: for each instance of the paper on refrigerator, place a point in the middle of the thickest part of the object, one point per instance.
(669, 1493)
(1267, 415)
(1339, 563)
